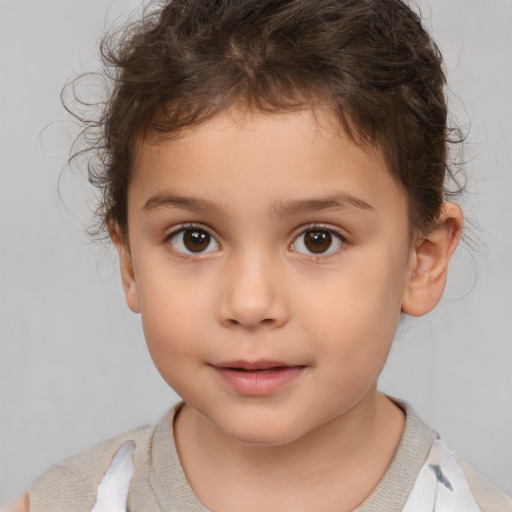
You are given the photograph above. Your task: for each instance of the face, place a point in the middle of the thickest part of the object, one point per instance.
(268, 256)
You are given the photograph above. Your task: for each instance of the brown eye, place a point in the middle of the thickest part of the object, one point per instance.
(194, 241)
(317, 241)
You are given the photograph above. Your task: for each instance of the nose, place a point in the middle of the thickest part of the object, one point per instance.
(252, 294)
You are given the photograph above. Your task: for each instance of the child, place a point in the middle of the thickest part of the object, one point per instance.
(274, 183)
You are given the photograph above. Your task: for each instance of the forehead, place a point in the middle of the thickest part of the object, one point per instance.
(252, 158)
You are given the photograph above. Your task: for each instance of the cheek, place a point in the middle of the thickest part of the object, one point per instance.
(173, 317)
(354, 315)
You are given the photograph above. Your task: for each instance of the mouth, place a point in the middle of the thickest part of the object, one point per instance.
(257, 378)
(256, 366)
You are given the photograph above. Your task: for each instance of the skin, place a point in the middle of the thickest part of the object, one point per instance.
(256, 183)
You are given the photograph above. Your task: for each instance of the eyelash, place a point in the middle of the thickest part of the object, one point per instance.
(308, 228)
(168, 239)
(321, 228)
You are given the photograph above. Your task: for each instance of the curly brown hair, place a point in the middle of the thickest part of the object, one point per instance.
(370, 61)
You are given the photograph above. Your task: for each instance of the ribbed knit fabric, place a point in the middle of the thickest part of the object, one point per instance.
(159, 483)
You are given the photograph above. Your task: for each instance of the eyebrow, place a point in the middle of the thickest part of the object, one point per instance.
(182, 203)
(339, 201)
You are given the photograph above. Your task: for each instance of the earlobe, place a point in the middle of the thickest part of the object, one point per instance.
(429, 262)
(127, 273)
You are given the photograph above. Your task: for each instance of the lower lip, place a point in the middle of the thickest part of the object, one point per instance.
(261, 382)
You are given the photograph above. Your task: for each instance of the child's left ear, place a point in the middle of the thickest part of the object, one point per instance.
(429, 266)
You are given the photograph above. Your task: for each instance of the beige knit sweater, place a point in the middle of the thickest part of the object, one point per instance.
(159, 483)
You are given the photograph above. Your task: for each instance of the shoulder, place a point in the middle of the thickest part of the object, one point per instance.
(71, 485)
(442, 484)
(489, 497)
(425, 475)
(454, 482)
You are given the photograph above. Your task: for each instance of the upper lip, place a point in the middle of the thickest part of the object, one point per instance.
(253, 365)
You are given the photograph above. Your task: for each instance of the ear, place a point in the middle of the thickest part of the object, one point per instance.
(429, 263)
(20, 505)
(127, 273)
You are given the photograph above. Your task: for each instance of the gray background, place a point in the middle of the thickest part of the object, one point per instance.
(73, 364)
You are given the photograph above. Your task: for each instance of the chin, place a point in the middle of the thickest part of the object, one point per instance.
(266, 433)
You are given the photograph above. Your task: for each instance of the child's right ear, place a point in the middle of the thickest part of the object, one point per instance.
(127, 272)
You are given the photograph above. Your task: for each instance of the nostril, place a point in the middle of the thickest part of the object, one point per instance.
(247, 324)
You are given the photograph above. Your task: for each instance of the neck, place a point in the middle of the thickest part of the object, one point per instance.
(353, 450)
